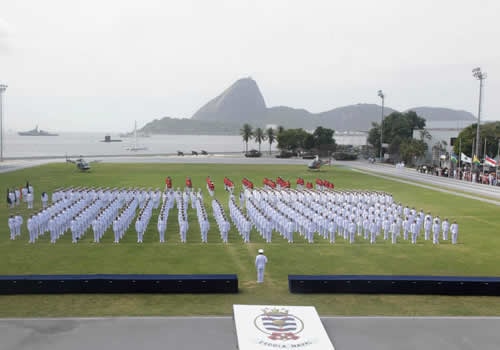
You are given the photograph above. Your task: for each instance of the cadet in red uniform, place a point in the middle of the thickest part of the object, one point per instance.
(210, 186)
(300, 183)
(189, 184)
(168, 182)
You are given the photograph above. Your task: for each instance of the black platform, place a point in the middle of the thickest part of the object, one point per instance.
(365, 284)
(48, 284)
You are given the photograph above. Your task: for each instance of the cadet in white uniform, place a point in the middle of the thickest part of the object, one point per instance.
(427, 227)
(445, 226)
(436, 226)
(454, 232)
(45, 199)
(414, 229)
(162, 227)
(12, 227)
(19, 223)
(394, 232)
(260, 265)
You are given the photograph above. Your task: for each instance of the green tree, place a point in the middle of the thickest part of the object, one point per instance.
(259, 136)
(292, 139)
(396, 128)
(412, 149)
(246, 132)
(271, 137)
(374, 137)
(309, 143)
(323, 139)
(488, 131)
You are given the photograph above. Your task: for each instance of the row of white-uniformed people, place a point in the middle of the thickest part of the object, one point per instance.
(240, 220)
(182, 218)
(143, 219)
(263, 222)
(307, 215)
(168, 203)
(125, 216)
(83, 219)
(15, 223)
(202, 216)
(326, 195)
(305, 226)
(67, 212)
(26, 194)
(108, 194)
(221, 219)
(105, 218)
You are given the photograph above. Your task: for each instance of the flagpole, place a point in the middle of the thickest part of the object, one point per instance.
(472, 156)
(472, 150)
(484, 154)
(498, 161)
(460, 155)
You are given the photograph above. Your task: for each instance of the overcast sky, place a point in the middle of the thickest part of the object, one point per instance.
(98, 65)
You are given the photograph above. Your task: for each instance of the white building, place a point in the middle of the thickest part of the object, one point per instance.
(353, 138)
(441, 132)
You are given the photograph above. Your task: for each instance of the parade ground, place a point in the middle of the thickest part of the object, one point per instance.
(474, 255)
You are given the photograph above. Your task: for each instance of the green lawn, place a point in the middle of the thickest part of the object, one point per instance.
(477, 253)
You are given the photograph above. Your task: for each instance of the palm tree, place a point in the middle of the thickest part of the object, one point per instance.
(246, 132)
(425, 135)
(271, 137)
(281, 128)
(259, 136)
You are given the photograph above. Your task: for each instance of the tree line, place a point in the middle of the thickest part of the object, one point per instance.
(320, 140)
(397, 132)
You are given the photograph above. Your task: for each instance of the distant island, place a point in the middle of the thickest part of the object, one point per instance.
(243, 103)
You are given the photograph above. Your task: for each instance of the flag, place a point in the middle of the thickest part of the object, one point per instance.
(490, 161)
(476, 160)
(453, 158)
(465, 158)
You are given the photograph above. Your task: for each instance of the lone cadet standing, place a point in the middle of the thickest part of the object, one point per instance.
(454, 232)
(260, 264)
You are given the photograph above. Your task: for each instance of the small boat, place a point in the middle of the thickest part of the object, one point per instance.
(36, 132)
(136, 147)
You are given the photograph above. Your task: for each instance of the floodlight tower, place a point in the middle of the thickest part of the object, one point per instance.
(476, 73)
(382, 96)
(2, 89)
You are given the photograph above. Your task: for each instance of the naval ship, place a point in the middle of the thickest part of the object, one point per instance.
(36, 132)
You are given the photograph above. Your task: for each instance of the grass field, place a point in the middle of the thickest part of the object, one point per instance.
(477, 253)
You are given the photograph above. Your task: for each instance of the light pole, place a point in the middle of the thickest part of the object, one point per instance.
(381, 95)
(476, 72)
(2, 89)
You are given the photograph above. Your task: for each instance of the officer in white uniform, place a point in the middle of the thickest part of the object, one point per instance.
(445, 226)
(454, 232)
(12, 227)
(260, 265)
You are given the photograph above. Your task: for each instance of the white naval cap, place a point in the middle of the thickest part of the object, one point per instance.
(261, 251)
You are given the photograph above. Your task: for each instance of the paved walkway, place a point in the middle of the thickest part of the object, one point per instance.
(218, 333)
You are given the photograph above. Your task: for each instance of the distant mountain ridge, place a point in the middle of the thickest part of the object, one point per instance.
(243, 103)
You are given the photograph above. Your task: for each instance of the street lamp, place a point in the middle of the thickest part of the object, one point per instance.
(381, 95)
(476, 72)
(2, 89)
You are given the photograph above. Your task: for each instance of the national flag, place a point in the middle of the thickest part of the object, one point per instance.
(476, 160)
(465, 158)
(453, 158)
(490, 161)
